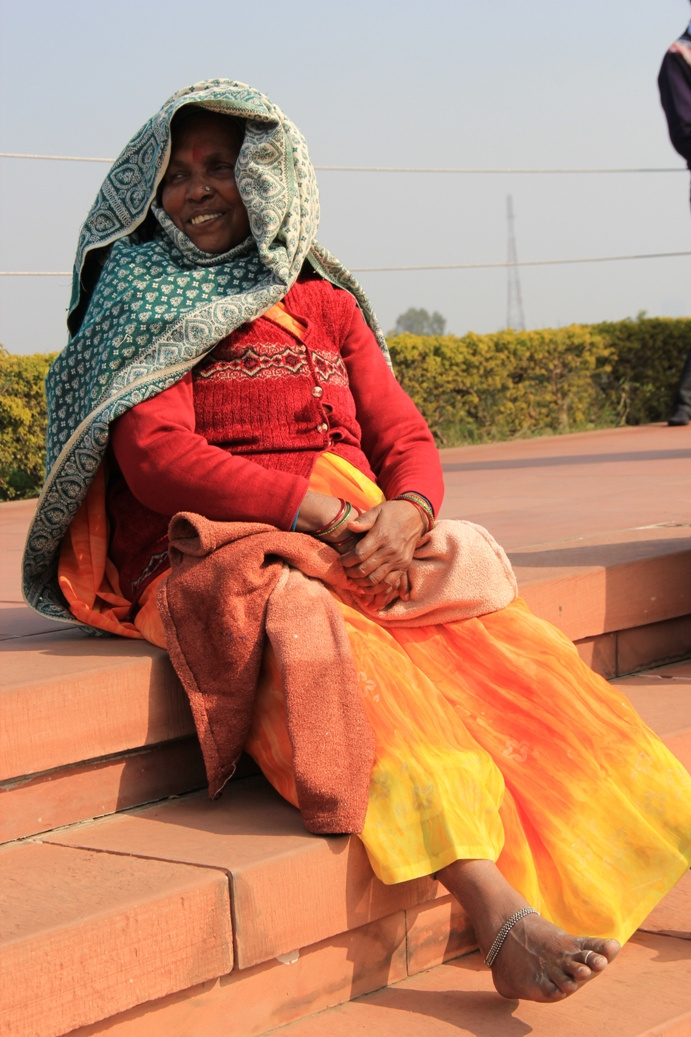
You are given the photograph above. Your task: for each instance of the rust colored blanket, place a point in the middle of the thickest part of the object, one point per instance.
(232, 585)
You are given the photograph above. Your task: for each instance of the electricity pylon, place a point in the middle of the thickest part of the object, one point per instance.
(514, 302)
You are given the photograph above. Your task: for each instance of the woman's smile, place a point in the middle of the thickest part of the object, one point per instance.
(205, 218)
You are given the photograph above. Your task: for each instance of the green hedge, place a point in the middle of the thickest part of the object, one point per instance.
(22, 423)
(648, 355)
(472, 389)
(480, 388)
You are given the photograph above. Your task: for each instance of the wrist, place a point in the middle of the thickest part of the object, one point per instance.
(422, 519)
(333, 524)
(317, 510)
(423, 507)
(335, 531)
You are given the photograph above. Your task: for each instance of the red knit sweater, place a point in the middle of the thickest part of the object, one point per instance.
(237, 437)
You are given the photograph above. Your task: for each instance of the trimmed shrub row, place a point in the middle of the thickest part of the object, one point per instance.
(481, 388)
(22, 423)
(473, 389)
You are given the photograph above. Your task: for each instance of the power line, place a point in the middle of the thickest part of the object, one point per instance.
(526, 262)
(427, 169)
(56, 158)
(403, 269)
(395, 169)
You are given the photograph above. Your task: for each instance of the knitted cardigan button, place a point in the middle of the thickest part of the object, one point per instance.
(317, 391)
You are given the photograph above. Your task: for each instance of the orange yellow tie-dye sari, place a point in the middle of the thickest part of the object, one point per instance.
(494, 741)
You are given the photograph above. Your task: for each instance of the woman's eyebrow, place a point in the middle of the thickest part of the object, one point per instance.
(222, 156)
(197, 154)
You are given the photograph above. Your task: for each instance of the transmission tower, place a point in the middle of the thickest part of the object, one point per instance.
(514, 302)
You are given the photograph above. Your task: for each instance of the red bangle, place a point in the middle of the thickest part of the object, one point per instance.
(423, 506)
(334, 523)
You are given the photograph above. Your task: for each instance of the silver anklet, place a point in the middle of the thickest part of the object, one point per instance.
(504, 932)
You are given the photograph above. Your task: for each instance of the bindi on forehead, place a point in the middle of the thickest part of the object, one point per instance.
(197, 153)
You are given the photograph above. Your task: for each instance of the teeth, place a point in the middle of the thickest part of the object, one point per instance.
(196, 220)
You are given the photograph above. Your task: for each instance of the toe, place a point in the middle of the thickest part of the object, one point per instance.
(579, 970)
(559, 985)
(604, 951)
(609, 949)
(564, 982)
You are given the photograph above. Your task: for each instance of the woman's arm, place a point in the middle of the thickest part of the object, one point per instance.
(402, 452)
(395, 436)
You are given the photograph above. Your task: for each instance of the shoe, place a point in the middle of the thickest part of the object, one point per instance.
(680, 417)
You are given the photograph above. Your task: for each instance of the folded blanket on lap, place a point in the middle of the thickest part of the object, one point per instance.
(232, 584)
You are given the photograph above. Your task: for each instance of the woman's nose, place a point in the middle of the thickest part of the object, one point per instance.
(197, 187)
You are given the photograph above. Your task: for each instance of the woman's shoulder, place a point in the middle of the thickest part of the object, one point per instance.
(317, 299)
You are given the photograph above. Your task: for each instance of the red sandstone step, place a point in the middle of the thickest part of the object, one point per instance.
(89, 726)
(246, 1003)
(288, 888)
(608, 582)
(310, 889)
(87, 934)
(92, 726)
(66, 698)
(645, 993)
(39, 803)
(254, 1001)
(296, 898)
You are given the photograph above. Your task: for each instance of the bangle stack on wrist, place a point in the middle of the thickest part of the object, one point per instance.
(344, 513)
(422, 505)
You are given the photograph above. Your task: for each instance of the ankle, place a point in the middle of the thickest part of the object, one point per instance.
(485, 895)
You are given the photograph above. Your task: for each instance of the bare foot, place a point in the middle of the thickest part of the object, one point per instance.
(540, 962)
(537, 961)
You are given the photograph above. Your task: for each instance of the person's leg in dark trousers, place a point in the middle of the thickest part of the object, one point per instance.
(682, 397)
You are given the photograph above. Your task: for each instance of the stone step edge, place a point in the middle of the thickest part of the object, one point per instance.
(278, 1001)
(92, 934)
(612, 997)
(671, 717)
(592, 586)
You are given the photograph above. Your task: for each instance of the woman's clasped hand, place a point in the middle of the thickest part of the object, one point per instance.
(376, 546)
(378, 561)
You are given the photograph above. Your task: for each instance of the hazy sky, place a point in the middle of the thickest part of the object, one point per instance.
(469, 83)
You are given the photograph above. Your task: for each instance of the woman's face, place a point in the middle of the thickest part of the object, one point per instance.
(199, 192)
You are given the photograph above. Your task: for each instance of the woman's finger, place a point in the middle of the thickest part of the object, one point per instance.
(391, 582)
(404, 587)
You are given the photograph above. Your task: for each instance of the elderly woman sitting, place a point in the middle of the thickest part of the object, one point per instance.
(225, 366)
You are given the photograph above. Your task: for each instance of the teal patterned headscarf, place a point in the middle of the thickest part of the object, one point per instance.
(147, 304)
